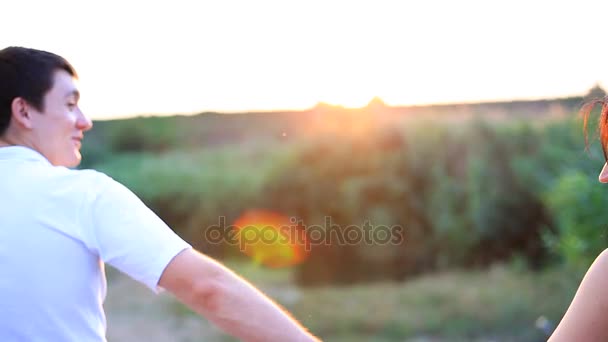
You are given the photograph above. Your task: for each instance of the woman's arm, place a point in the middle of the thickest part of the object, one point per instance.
(587, 316)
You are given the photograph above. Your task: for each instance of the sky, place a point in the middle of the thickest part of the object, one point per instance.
(182, 57)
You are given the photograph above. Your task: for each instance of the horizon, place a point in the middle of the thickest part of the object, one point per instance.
(236, 56)
(338, 106)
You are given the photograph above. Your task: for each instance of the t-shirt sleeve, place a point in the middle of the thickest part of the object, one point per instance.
(129, 236)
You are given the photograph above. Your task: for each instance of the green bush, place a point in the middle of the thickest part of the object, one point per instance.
(578, 203)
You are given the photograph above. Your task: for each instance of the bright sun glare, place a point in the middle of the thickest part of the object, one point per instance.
(348, 101)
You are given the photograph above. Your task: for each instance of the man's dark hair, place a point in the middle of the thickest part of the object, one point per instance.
(27, 73)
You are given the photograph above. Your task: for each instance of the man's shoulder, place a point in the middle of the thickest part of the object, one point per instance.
(90, 175)
(78, 180)
(85, 175)
(96, 183)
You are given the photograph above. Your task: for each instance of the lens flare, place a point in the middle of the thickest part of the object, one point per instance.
(271, 239)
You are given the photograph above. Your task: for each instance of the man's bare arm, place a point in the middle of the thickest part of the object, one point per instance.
(587, 317)
(228, 301)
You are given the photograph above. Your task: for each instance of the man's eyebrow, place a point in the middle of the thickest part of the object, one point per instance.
(74, 93)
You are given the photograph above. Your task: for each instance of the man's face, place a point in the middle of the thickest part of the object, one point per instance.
(58, 130)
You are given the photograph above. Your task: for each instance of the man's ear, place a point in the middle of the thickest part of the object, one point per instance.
(20, 113)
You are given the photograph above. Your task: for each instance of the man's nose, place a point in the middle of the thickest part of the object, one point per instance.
(604, 174)
(84, 123)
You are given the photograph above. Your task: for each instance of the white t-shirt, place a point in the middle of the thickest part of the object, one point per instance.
(57, 228)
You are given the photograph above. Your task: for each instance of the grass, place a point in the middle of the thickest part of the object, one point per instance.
(499, 304)
(455, 305)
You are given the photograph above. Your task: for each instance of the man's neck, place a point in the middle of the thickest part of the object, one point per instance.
(12, 140)
(4, 143)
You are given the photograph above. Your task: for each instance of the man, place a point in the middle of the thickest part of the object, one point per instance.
(60, 225)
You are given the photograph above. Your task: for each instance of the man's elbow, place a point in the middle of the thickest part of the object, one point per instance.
(206, 295)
